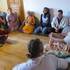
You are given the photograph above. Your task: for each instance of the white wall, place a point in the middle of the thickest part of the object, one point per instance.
(38, 5)
(3, 5)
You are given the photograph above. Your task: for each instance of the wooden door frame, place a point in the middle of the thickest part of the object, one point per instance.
(22, 10)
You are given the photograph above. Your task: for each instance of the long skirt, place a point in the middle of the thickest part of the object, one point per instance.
(28, 29)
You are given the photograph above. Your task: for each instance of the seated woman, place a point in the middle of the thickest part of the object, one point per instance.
(44, 22)
(60, 41)
(29, 23)
(4, 31)
(12, 19)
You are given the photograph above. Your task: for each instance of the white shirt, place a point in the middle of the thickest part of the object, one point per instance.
(44, 20)
(63, 23)
(45, 62)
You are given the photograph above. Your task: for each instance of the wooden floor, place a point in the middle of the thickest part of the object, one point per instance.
(15, 50)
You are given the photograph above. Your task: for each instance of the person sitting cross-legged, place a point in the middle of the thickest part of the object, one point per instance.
(45, 25)
(59, 22)
(29, 23)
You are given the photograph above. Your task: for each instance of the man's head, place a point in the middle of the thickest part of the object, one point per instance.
(35, 48)
(60, 14)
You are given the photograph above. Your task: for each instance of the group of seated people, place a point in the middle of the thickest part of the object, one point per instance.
(58, 30)
(11, 19)
(8, 22)
(32, 25)
(11, 22)
(59, 23)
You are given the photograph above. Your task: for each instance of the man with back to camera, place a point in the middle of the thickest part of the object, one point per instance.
(40, 61)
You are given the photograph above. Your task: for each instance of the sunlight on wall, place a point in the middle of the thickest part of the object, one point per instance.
(3, 5)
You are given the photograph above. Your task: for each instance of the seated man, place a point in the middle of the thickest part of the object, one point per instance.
(40, 61)
(59, 22)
